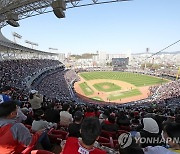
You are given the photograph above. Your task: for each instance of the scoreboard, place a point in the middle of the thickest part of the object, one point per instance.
(120, 61)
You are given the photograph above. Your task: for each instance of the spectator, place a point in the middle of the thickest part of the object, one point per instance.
(172, 130)
(133, 148)
(35, 99)
(4, 94)
(177, 118)
(110, 125)
(14, 136)
(172, 135)
(150, 130)
(4, 98)
(39, 123)
(90, 130)
(6, 90)
(122, 119)
(20, 115)
(51, 114)
(74, 128)
(29, 118)
(65, 116)
(89, 112)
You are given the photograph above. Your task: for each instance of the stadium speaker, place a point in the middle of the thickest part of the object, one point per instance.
(13, 23)
(59, 13)
(12, 19)
(58, 7)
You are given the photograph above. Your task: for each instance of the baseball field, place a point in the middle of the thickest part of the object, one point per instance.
(119, 87)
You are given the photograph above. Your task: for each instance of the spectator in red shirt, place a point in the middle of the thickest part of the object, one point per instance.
(110, 125)
(90, 130)
(89, 112)
(14, 137)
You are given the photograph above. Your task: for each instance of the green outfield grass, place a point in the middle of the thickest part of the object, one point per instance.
(125, 94)
(138, 80)
(97, 98)
(109, 86)
(86, 89)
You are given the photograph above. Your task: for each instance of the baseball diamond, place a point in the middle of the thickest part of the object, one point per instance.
(119, 87)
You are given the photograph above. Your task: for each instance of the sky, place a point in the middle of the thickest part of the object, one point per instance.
(115, 28)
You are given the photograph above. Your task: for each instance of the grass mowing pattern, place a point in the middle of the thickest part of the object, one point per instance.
(86, 89)
(97, 98)
(125, 94)
(110, 87)
(138, 80)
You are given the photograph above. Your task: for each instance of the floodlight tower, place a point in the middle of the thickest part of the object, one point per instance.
(54, 49)
(178, 73)
(31, 43)
(147, 52)
(16, 35)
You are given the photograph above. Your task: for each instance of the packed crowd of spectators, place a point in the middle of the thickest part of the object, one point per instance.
(13, 72)
(70, 76)
(166, 91)
(54, 86)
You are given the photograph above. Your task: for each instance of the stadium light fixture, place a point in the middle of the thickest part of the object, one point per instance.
(53, 49)
(16, 35)
(59, 6)
(31, 43)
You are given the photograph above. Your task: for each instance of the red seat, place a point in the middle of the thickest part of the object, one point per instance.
(106, 142)
(103, 140)
(116, 144)
(29, 127)
(108, 134)
(56, 136)
(41, 152)
(62, 127)
(32, 145)
(122, 131)
(127, 128)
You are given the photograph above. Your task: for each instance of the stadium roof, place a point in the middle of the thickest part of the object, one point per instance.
(7, 44)
(13, 10)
